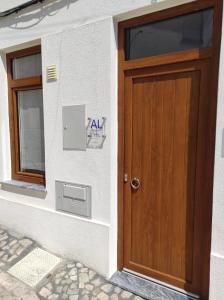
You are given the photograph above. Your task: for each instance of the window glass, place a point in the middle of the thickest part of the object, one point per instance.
(27, 66)
(31, 131)
(180, 33)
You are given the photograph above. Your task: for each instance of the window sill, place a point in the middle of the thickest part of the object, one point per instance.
(24, 188)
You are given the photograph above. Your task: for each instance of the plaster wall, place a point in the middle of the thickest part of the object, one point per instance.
(80, 37)
(56, 15)
(217, 251)
(83, 56)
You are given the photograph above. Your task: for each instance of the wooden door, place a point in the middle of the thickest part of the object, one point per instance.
(166, 111)
(167, 119)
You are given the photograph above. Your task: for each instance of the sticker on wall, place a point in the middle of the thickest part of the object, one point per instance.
(96, 133)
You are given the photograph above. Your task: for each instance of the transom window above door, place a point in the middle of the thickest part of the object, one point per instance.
(188, 31)
(26, 115)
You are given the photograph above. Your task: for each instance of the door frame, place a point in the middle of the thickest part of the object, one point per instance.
(212, 53)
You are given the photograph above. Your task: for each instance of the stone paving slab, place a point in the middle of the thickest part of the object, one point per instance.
(13, 247)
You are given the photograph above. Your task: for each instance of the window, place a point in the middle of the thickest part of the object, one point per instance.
(192, 30)
(26, 115)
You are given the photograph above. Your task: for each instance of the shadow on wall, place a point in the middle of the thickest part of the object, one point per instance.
(35, 14)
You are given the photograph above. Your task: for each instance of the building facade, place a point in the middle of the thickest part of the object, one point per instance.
(70, 126)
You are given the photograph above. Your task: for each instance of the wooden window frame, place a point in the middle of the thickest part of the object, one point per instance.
(15, 85)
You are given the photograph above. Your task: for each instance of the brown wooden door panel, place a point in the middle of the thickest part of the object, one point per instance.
(167, 116)
(164, 112)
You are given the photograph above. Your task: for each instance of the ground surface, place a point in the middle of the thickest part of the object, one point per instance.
(69, 281)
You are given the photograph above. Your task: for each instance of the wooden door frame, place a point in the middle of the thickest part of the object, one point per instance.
(195, 54)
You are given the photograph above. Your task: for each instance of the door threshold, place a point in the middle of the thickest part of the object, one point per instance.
(161, 283)
(148, 288)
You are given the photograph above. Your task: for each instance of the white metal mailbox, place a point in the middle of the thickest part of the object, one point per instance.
(73, 198)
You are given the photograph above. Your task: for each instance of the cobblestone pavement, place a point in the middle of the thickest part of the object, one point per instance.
(13, 247)
(12, 289)
(75, 281)
(69, 281)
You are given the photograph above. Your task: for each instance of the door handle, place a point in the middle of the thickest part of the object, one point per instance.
(135, 183)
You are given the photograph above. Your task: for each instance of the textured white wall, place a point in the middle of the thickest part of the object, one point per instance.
(77, 36)
(217, 255)
(84, 57)
(55, 15)
(67, 235)
(9, 4)
(5, 158)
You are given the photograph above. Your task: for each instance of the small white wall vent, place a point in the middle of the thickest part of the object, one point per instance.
(51, 73)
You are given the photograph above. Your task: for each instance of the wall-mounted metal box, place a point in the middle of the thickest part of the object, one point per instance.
(74, 127)
(73, 198)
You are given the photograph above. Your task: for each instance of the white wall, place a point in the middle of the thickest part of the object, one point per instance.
(64, 234)
(83, 59)
(79, 36)
(83, 56)
(5, 158)
(217, 254)
(56, 15)
(10, 4)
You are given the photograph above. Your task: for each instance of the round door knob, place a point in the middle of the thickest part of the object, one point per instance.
(135, 183)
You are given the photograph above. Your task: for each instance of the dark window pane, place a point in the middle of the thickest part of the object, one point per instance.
(180, 33)
(31, 131)
(27, 66)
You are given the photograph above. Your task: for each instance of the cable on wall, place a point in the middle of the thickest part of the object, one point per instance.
(19, 7)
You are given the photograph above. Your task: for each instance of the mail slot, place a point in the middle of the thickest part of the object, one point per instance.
(73, 198)
(75, 192)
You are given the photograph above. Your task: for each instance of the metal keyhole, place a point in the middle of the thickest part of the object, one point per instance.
(135, 183)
